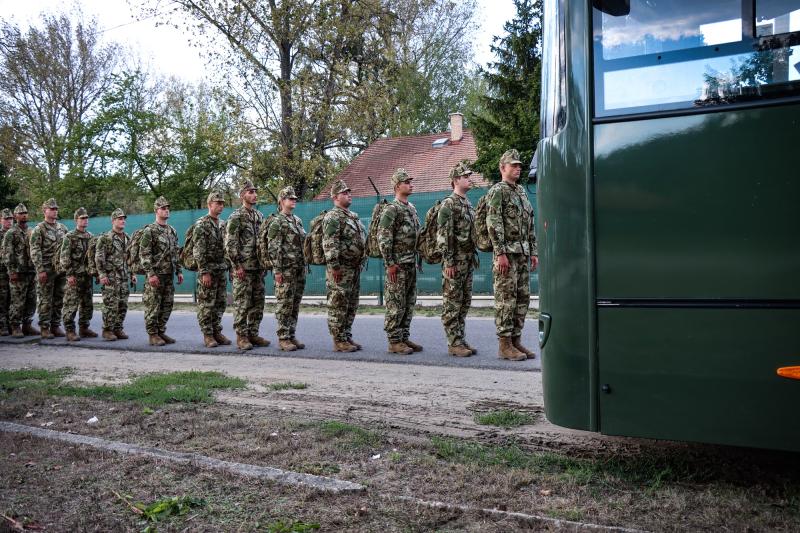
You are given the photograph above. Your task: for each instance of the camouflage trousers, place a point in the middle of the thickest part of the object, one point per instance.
(115, 302)
(78, 298)
(512, 296)
(23, 300)
(456, 300)
(400, 298)
(51, 300)
(5, 299)
(211, 302)
(248, 302)
(343, 301)
(288, 294)
(158, 304)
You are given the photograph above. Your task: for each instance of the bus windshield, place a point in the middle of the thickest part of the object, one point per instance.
(681, 54)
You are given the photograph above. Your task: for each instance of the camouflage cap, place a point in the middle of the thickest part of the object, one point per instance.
(287, 192)
(20, 209)
(80, 213)
(247, 185)
(461, 169)
(118, 213)
(511, 157)
(400, 175)
(339, 186)
(160, 202)
(7, 213)
(50, 204)
(215, 196)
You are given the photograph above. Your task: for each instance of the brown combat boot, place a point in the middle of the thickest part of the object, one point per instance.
(221, 339)
(28, 329)
(459, 351)
(166, 338)
(507, 350)
(57, 332)
(470, 348)
(109, 335)
(343, 346)
(517, 342)
(72, 336)
(243, 342)
(17, 333)
(45, 333)
(400, 348)
(300, 345)
(354, 343)
(156, 340)
(257, 340)
(86, 331)
(286, 345)
(120, 334)
(413, 345)
(210, 341)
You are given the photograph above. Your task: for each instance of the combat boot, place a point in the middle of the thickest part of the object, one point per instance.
(221, 339)
(459, 351)
(155, 340)
(243, 343)
(470, 348)
(45, 333)
(72, 336)
(343, 346)
(413, 345)
(286, 345)
(517, 342)
(109, 335)
(400, 348)
(17, 333)
(57, 332)
(86, 331)
(257, 340)
(28, 329)
(300, 345)
(210, 341)
(507, 350)
(120, 334)
(166, 338)
(354, 343)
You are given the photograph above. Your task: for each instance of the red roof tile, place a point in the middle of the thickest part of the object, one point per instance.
(428, 166)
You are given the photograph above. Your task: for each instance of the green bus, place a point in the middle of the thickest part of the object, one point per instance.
(669, 219)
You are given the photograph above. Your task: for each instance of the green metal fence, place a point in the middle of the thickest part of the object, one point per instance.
(429, 281)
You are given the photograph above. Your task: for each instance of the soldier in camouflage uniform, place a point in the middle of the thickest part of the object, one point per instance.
(455, 240)
(285, 236)
(78, 295)
(21, 275)
(212, 270)
(110, 259)
(344, 243)
(398, 233)
(158, 251)
(509, 220)
(45, 242)
(248, 278)
(5, 291)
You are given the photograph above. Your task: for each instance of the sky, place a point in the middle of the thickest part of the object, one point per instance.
(166, 50)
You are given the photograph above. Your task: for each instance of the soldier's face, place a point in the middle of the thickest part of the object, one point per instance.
(50, 213)
(288, 204)
(463, 183)
(118, 224)
(405, 188)
(215, 208)
(81, 223)
(250, 196)
(22, 217)
(7, 222)
(511, 171)
(344, 199)
(163, 212)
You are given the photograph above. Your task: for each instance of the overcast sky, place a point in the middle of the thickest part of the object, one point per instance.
(167, 51)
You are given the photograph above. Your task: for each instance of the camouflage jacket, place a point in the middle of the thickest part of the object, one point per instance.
(158, 250)
(45, 239)
(398, 233)
(209, 245)
(455, 237)
(110, 256)
(242, 244)
(73, 252)
(3, 268)
(509, 220)
(343, 238)
(286, 236)
(17, 250)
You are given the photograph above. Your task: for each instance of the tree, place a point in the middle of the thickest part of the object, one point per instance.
(508, 116)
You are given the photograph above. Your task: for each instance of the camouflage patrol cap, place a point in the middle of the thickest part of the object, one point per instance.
(247, 185)
(461, 169)
(20, 209)
(339, 187)
(7, 213)
(50, 204)
(400, 175)
(80, 213)
(511, 157)
(215, 196)
(118, 213)
(287, 192)
(160, 202)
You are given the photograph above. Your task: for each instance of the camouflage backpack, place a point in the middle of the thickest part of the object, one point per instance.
(427, 237)
(186, 256)
(263, 243)
(58, 268)
(482, 240)
(134, 258)
(91, 265)
(373, 248)
(312, 246)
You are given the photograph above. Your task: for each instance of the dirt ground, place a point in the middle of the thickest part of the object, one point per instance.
(402, 431)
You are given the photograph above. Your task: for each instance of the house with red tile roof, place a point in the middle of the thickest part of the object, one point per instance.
(427, 159)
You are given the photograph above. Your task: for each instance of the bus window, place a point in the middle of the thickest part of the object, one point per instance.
(554, 66)
(683, 54)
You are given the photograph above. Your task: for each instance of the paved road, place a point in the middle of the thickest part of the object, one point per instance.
(313, 331)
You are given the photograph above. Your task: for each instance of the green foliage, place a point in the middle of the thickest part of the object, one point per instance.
(292, 527)
(30, 379)
(288, 385)
(167, 507)
(504, 418)
(354, 435)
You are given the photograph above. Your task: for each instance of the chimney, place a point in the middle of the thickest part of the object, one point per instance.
(456, 127)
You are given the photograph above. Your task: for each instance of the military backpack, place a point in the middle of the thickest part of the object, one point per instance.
(427, 237)
(91, 264)
(58, 268)
(186, 256)
(373, 246)
(263, 242)
(134, 257)
(482, 240)
(312, 246)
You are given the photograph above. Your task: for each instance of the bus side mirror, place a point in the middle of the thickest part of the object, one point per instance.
(534, 165)
(615, 8)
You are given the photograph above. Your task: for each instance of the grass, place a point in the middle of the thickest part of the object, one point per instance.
(292, 527)
(354, 435)
(504, 418)
(30, 379)
(286, 385)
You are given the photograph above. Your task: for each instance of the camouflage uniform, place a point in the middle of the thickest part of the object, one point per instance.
(456, 242)
(110, 260)
(73, 263)
(209, 254)
(45, 240)
(241, 248)
(344, 243)
(17, 257)
(159, 255)
(5, 291)
(398, 233)
(509, 220)
(286, 236)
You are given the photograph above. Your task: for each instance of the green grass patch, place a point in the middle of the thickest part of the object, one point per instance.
(292, 527)
(504, 418)
(286, 385)
(320, 469)
(356, 436)
(30, 379)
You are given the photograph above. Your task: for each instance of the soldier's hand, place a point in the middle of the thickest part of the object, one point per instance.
(206, 280)
(104, 280)
(534, 262)
(278, 278)
(13, 276)
(337, 275)
(42, 277)
(392, 273)
(72, 280)
(154, 281)
(180, 279)
(240, 273)
(502, 264)
(450, 272)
